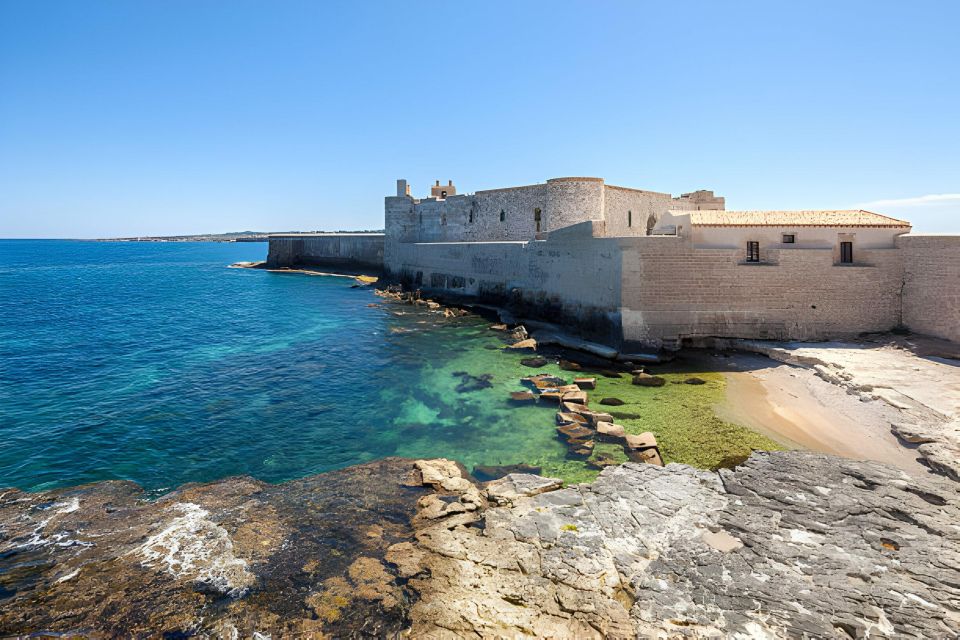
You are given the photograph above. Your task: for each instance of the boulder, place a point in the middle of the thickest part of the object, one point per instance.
(535, 362)
(575, 432)
(611, 432)
(609, 373)
(498, 327)
(543, 381)
(528, 343)
(649, 456)
(612, 402)
(573, 407)
(514, 486)
(567, 365)
(595, 417)
(580, 448)
(519, 333)
(641, 441)
(551, 395)
(564, 418)
(647, 380)
(585, 383)
(694, 380)
(577, 397)
(522, 397)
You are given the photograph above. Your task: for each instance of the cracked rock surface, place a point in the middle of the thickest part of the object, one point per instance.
(788, 544)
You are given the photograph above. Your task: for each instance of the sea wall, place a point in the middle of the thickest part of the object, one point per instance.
(931, 284)
(345, 251)
(674, 290)
(571, 277)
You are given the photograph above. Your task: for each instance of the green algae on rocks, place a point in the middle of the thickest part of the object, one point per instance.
(682, 418)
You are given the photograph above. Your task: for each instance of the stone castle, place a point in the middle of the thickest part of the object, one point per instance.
(638, 269)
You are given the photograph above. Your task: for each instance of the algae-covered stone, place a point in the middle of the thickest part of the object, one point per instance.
(647, 380)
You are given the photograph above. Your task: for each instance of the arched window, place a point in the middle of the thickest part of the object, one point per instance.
(536, 218)
(503, 215)
(652, 223)
(629, 218)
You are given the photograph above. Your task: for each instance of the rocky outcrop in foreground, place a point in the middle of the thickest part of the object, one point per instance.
(785, 545)
(229, 559)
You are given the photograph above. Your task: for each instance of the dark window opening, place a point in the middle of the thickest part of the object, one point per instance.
(846, 253)
(443, 194)
(753, 251)
(629, 218)
(503, 215)
(789, 238)
(471, 216)
(443, 220)
(536, 218)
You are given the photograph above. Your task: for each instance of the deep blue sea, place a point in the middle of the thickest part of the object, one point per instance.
(157, 363)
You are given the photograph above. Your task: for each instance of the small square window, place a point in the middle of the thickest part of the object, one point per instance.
(789, 238)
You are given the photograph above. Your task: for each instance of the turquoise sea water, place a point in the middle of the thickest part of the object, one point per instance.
(154, 362)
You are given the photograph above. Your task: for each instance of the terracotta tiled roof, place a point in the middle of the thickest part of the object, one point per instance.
(848, 218)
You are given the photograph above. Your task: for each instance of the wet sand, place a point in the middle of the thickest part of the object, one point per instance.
(794, 407)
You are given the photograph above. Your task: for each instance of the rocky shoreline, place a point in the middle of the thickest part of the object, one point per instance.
(786, 544)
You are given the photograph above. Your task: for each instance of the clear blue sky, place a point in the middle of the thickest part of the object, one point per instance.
(186, 116)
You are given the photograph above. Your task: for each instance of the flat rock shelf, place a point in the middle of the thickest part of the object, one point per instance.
(787, 544)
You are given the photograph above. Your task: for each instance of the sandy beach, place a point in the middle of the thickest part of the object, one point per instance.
(794, 407)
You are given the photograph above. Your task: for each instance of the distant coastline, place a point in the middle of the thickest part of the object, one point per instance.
(234, 236)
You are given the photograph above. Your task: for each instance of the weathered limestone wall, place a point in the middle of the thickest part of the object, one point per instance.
(518, 205)
(342, 250)
(733, 237)
(571, 276)
(672, 289)
(630, 212)
(931, 284)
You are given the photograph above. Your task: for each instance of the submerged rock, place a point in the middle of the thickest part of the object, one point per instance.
(469, 383)
(234, 557)
(612, 402)
(535, 362)
(647, 380)
(485, 473)
(522, 397)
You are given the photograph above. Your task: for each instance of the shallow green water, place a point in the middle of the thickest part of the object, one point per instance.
(154, 362)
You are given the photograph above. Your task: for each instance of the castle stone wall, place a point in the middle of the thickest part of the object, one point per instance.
(931, 284)
(671, 289)
(572, 201)
(571, 276)
(627, 212)
(344, 251)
